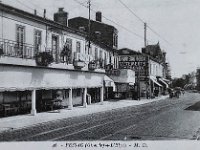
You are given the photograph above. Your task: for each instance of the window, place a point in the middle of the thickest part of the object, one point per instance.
(90, 50)
(37, 40)
(55, 47)
(78, 47)
(150, 69)
(96, 53)
(101, 54)
(115, 40)
(20, 38)
(105, 58)
(68, 44)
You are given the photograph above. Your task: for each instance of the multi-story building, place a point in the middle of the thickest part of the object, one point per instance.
(100, 33)
(149, 69)
(107, 36)
(45, 63)
(158, 68)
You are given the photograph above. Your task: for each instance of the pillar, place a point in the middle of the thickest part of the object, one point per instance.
(101, 95)
(85, 97)
(70, 99)
(33, 103)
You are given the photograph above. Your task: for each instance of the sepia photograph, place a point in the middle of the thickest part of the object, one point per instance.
(99, 74)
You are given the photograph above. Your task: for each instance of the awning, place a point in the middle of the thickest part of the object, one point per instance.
(154, 80)
(161, 80)
(166, 80)
(20, 78)
(109, 82)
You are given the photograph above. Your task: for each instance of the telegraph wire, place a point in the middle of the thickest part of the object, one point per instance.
(139, 36)
(158, 35)
(31, 7)
(141, 20)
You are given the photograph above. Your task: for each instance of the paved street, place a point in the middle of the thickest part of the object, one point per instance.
(160, 120)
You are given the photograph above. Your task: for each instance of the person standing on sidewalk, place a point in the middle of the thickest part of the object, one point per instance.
(148, 93)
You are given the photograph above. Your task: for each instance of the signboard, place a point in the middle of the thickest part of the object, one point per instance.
(122, 87)
(114, 72)
(132, 65)
(133, 58)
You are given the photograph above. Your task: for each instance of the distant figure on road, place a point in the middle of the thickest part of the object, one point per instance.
(183, 91)
(170, 91)
(177, 92)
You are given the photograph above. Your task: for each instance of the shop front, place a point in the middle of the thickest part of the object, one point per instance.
(110, 88)
(164, 85)
(156, 88)
(26, 89)
(125, 84)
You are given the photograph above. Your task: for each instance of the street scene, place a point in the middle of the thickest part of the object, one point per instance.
(168, 119)
(95, 70)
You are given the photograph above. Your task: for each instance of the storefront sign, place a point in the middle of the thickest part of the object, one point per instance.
(114, 72)
(132, 65)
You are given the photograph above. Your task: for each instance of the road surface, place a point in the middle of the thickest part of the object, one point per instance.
(166, 119)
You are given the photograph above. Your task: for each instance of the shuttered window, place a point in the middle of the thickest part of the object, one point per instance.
(20, 39)
(78, 47)
(37, 40)
(69, 46)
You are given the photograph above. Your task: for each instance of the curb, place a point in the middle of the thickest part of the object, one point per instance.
(7, 129)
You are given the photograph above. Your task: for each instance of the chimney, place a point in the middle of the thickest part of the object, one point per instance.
(61, 16)
(98, 16)
(35, 12)
(44, 13)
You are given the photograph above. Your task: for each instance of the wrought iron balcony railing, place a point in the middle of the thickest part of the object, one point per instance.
(15, 49)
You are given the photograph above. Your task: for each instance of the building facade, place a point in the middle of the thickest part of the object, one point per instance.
(45, 64)
(150, 72)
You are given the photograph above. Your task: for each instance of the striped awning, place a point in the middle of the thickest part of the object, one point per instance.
(153, 79)
(161, 80)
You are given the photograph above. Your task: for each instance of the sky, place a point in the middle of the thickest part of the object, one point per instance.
(176, 22)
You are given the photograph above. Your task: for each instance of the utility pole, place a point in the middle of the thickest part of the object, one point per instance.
(145, 34)
(148, 81)
(89, 25)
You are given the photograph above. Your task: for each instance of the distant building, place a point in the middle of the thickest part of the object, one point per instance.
(149, 67)
(100, 32)
(198, 79)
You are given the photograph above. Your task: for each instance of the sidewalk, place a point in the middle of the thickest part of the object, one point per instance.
(21, 121)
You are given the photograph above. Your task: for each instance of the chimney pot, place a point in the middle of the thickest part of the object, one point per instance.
(98, 16)
(35, 12)
(60, 9)
(61, 16)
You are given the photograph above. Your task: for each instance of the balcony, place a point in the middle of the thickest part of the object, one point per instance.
(14, 49)
(82, 57)
(92, 65)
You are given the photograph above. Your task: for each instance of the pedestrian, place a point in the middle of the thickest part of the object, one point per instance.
(148, 93)
(183, 91)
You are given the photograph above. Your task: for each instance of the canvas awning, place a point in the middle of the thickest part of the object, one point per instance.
(20, 78)
(161, 80)
(153, 79)
(109, 82)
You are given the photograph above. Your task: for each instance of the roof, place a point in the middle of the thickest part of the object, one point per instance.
(30, 16)
(127, 51)
(93, 21)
